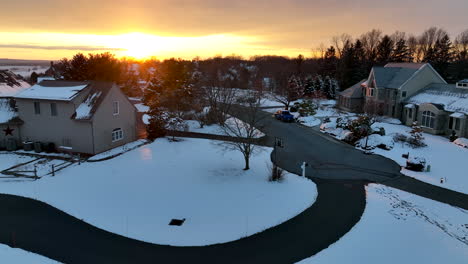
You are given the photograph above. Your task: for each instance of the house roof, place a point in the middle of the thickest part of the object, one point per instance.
(354, 91)
(10, 84)
(90, 104)
(392, 77)
(53, 90)
(446, 96)
(408, 65)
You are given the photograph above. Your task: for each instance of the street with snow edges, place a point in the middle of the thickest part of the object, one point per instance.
(138, 193)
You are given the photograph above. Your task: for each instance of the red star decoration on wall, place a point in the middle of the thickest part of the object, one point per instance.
(8, 131)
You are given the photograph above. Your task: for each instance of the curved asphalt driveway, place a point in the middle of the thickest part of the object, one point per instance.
(45, 230)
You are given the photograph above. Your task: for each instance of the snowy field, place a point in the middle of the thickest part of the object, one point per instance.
(18, 256)
(25, 71)
(138, 193)
(398, 227)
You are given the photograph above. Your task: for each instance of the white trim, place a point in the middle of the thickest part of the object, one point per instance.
(118, 108)
(117, 134)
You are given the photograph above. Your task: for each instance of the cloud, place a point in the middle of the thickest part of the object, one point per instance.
(44, 47)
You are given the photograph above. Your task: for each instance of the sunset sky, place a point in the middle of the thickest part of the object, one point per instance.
(52, 29)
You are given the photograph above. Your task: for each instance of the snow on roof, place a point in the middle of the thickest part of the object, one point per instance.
(408, 65)
(458, 115)
(45, 78)
(90, 104)
(354, 91)
(83, 111)
(6, 112)
(10, 84)
(463, 81)
(409, 106)
(446, 95)
(392, 77)
(53, 90)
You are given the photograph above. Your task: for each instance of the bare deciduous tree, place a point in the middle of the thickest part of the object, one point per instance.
(370, 40)
(461, 45)
(246, 129)
(340, 41)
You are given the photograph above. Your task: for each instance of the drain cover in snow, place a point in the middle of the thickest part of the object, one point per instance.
(177, 222)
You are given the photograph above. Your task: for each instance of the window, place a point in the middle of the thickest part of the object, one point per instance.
(53, 109)
(410, 112)
(115, 108)
(428, 119)
(37, 108)
(371, 92)
(451, 123)
(403, 94)
(117, 134)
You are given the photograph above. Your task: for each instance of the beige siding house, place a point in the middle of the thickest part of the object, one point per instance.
(81, 117)
(413, 92)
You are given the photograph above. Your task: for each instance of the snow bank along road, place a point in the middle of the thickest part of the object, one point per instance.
(40, 228)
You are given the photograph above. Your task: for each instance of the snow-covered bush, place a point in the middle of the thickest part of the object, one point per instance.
(416, 163)
(398, 137)
(376, 141)
(463, 142)
(416, 139)
(306, 108)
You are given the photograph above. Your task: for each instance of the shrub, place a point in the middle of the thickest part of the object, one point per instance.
(400, 138)
(416, 139)
(276, 173)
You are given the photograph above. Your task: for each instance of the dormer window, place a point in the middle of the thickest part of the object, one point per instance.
(403, 94)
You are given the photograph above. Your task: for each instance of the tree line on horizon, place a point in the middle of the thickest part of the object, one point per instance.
(347, 61)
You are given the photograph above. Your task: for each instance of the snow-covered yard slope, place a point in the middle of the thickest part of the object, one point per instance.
(138, 193)
(447, 160)
(8, 160)
(398, 227)
(18, 256)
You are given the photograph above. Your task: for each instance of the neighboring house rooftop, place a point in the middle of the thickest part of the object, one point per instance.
(10, 84)
(445, 96)
(392, 77)
(91, 102)
(408, 65)
(354, 91)
(53, 90)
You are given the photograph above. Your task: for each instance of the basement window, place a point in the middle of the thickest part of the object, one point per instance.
(117, 134)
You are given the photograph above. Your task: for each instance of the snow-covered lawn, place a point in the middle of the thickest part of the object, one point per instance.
(398, 227)
(8, 160)
(138, 193)
(18, 256)
(447, 160)
(118, 150)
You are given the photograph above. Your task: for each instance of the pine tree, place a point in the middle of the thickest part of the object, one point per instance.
(401, 52)
(384, 50)
(442, 55)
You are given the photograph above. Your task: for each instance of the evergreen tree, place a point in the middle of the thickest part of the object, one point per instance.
(326, 88)
(442, 55)
(384, 50)
(309, 86)
(401, 52)
(33, 78)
